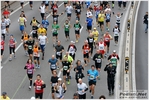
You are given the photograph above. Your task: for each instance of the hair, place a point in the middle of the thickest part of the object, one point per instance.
(102, 96)
(77, 62)
(28, 61)
(92, 66)
(39, 75)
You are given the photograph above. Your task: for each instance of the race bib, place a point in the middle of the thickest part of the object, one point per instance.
(29, 71)
(98, 60)
(101, 47)
(86, 51)
(78, 10)
(92, 77)
(38, 87)
(34, 32)
(55, 19)
(53, 66)
(65, 67)
(58, 53)
(42, 42)
(91, 40)
(77, 29)
(29, 47)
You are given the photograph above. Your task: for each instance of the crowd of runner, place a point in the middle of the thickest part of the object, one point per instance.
(35, 43)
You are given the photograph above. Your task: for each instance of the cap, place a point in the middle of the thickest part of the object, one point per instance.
(4, 93)
(11, 35)
(75, 94)
(114, 50)
(59, 79)
(72, 42)
(110, 63)
(33, 98)
(115, 24)
(94, 28)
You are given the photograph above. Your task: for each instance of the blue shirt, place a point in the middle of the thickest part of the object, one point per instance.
(97, 13)
(45, 23)
(93, 74)
(108, 16)
(89, 21)
(52, 61)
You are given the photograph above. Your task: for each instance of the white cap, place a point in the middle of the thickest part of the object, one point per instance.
(114, 50)
(59, 79)
(72, 42)
(33, 98)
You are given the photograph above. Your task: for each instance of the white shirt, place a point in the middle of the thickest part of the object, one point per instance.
(8, 21)
(118, 18)
(69, 9)
(101, 46)
(116, 32)
(108, 9)
(81, 87)
(71, 50)
(42, 9)
(89, 14)
(42, 39)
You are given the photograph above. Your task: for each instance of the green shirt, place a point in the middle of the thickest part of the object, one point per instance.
(77, 26)
(55, 28)
(66, 26)
(114, 61)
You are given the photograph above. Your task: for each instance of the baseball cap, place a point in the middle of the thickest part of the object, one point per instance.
(59, 79)
(94, 28)
(114, 51)
(33, 98)
(72, 42)
(75, 94)
(4, 93)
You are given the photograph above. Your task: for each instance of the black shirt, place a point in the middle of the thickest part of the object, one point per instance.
(111, 71)
(54, 79)
(34, 28)
(97, 58)
(90, 41)
(66, 65)
(55, 17)
(146, 19)
(78, 8)
(79, 68)
(30, 44)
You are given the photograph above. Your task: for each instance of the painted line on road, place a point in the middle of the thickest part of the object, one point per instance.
(19, 8)
(30, 34)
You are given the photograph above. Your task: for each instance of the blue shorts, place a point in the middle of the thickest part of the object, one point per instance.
(21, 27)
(42, 47)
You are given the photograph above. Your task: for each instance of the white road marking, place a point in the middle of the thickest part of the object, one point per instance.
(30, 33)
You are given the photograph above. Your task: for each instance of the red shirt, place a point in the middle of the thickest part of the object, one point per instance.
(6, 12)
(2, 45)
(106, 38)
(86, 49)
(38, 85)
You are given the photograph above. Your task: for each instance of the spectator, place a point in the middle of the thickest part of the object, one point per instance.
(102, 97)
(75, 96)
(4, 96)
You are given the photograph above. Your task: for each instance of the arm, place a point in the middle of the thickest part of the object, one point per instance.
(105, 69)
(65, 87)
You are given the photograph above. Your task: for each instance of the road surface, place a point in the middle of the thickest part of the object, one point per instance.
(14, 79)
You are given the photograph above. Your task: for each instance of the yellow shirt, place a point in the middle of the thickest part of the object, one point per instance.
(95, 33)
(70, 59)
(42, 30)
(7, 98)
(101, 17)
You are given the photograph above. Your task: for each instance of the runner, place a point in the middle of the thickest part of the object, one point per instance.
(2, 47)
(97, 11)
(113, 58)
(146, 22)
(98, 60)
(108, 17)
(47, 5)
(118, 18)
(93, 75)
(30, 69)
(30, 44)
(112, 4)
(81, 89)
(45, 23)
(42, 42)
(31, 4)
(54, 81)
(79, 71)
(3, 28)
(22, 20)
(39, 86)
(36, 55)
(22, 13)
(74, 4)
(77, 27)
(88, 3)
(53, 63)
(55, 28)
(90, 40)
(34, 31)
(22, 4)
(95, 33)
(65, 3)
(4, 96)
(8, 22)
(69, 10)
(78, 11)
(66, 68)
(86, 50)
(124, 4)
(55, 17)
(34, 21)
(69, 58)
(89, 22)
(72, 49)
(120, 3)
(41, 30)
(102, 47)
(111, 71)
(7, 4)
(60, 89)
(6, 13)
(67, 27)
(59, 49)
(25, 38)
(116, 31)
(75, 96)
(102, 97)
(42, 10)
(54, 7)
(107, 37)
(101, 19)
(12, 45)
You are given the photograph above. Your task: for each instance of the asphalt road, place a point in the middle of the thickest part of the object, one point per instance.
(141, 54)
(14, 79)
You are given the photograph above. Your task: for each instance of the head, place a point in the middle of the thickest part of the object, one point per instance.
(42, 33)
(59, 43)
(86, 42)
(72, 43)
(42, 4)
(53, 56)
(30, 37)
(54, 23)
(55, 3)
(66, 21)
(67, 53)
(94, 29)
(36, 44)
(38, 77)
(114, 52)
(22, 12)
(65, 58)
(116, 26)
(97, 51)
(3, 19)
(108, 6)
(6, 9)
(68, 4)
(59, 80)
(118, 14)
(41, 26)
(102, 97)
(11, 36)
(80, 80)
(54, 73)
(101, 39)
(90, 35)
(110, 64)
(77, 21)
(107, 33)
(101, 12)
(75, 96)
(93, 67)
(34, 18)
(29, 61)
(146, 13)
(25, 33)
(78, 62)
(4, 94)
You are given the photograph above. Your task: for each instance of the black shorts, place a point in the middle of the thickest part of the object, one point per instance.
(91, 82)
(7, 26)
(2, 51)
(47, 5)
(36, 58)
(68, 14)
(55, 35)
(66, 33)
(108, 20)
(107, 43)
(12, 50)
(39, 95)
(73, 56)
(124, 4)
(30, 76)
(101, 23)
(7, 2)
(31, 2)
(65, 3)
(30, 52)
(77, 32)
(91, 46)
(78, 13)
(59, 57)
(74, 4)
(98, 65)
(52, 89)
(52, 69)
(21, 3)
(115, 38)
(82, 96)
(89, 27)
(86, 55)
(35, 35)
(65, 73)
